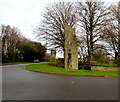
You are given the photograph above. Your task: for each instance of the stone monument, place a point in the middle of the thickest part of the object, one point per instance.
(71, 53)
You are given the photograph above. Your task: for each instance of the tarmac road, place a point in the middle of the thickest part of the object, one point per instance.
(20, 84)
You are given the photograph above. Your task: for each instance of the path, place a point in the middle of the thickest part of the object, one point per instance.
(20, 84)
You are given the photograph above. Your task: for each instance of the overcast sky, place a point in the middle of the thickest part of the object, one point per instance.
(25, 14)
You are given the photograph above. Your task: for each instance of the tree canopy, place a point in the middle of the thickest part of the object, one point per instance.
(15, 47)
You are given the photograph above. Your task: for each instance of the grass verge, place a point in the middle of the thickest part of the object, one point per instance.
(44, 67)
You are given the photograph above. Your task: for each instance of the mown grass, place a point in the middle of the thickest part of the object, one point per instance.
(44, 67)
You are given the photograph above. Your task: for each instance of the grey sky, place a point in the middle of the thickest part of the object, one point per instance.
(25, 14)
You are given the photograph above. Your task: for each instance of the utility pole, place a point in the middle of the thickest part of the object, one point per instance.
(46, 56)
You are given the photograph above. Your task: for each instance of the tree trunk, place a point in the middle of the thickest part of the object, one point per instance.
(118, 59)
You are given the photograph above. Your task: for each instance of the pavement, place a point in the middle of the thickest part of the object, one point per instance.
(20, 84)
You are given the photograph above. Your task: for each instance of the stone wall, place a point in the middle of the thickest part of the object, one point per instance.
(101, 68)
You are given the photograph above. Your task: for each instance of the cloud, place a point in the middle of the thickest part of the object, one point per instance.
(21, 13)
(24, 14)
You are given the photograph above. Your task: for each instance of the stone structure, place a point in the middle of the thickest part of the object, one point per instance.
(71, 53)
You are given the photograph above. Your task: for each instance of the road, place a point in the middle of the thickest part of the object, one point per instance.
(20, 84)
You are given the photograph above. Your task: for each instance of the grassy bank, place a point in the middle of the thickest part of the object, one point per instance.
(44, 67)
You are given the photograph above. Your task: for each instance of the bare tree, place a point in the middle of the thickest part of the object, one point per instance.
(82, 49)
(92, 17)
(10, 42)
(118, 61)
(52, 27)
(110, 36)
(111, 32)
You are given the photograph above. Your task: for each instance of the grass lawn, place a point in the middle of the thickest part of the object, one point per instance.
(14, 63)
(44, 67)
